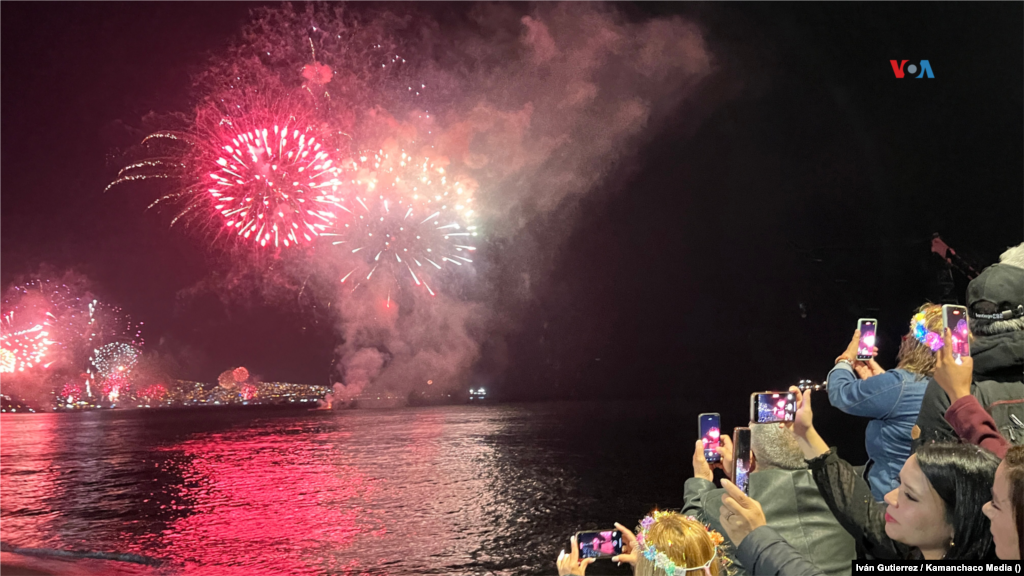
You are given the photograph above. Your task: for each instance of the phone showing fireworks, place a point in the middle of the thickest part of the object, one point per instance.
(599, 543)
(710, 427)
(866, 345)
(741, 458)
(766, 407)
(955, 318)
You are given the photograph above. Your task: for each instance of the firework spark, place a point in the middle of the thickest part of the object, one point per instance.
(72, 392)
(274, 185)
(407, 217)
(116, 358)
(25, 340)
(153, 392)
(268, 183)
(115, 385)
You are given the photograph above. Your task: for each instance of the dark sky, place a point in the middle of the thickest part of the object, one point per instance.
(801, 173)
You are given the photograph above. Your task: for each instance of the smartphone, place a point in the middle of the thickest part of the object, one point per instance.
(741, 458)
(599, 543)
(767, 407)
(866, 345)
(710, 429)
(955, 318)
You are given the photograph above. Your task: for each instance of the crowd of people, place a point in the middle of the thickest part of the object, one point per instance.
(944, 478)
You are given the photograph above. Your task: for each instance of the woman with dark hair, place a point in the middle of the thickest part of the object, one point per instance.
(1006, 509)
(957, 474)
(933, 514)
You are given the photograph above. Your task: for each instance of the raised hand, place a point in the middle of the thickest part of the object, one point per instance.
(570, 563)
(701, 469)
(955, 379)
(630, 547)
(740, 514)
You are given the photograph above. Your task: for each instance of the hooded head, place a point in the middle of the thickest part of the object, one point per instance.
(995, 299)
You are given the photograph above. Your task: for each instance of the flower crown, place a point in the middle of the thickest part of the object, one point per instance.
(933, 340)
(661, 560)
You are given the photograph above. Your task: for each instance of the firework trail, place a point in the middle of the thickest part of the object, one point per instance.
(407, 218)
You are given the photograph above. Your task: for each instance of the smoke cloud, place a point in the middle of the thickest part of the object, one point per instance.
(538, 108)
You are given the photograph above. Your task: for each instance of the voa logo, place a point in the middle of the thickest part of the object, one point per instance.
(925, 69)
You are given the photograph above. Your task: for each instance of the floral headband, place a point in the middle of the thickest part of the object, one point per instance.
(933, 340)
(661, 560)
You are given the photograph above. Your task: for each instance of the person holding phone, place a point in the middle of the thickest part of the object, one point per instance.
(758, 545)
(932, 515)
(662, 539)
(995, 315)
(966, 415)
(890, 398)
(781, 480)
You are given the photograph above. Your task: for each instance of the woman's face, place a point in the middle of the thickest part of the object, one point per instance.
(1000, 511)
(915, 515)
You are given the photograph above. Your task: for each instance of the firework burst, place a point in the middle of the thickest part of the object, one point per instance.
(72, 391)
(263, 181)
(274, 185)
(25, 340)
(115, 359)
(406, 217)
(56, 324)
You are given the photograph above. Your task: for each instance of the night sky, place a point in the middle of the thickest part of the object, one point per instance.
(795, 191)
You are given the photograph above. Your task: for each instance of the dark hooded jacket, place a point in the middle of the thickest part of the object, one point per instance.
(998, 386)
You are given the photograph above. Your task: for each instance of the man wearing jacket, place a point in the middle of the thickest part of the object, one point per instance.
(995, 304)
(792, 504)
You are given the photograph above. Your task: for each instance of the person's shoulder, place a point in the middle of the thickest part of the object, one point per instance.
(932, 390)
(773, 480)
(911, 377)
(988, 391)
(712, 498)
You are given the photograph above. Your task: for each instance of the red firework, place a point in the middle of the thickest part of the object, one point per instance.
(25, 339)
(240, 374)
(153, 392)
(247, 391)
(266, 182)
(73, 391)
(115, 385)
(274, 184)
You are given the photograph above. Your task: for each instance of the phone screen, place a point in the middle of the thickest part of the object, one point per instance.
(773, 407)
(866, 345)
(710, 434)
(741, 458)
(955, 318)
(599, 544)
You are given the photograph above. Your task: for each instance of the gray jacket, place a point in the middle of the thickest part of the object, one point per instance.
(793, 507)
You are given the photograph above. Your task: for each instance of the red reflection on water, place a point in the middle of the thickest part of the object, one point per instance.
(270, 503)
(28, 478)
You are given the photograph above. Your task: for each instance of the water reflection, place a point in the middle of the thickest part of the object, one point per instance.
(402, 492)
(28, 478)
(277, 499)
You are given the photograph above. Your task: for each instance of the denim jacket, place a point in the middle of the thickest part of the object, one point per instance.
(892, 400)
